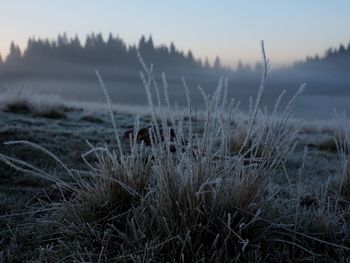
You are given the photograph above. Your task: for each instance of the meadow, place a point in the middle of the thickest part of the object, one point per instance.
(83, 182)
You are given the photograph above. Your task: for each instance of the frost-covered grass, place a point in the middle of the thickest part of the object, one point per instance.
(22, 100)
(206, 194)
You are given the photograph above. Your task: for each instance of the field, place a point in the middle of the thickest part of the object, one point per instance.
(79, 183)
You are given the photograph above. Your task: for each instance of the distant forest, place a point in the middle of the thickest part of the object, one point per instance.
(333, 58)
(53, 57)
(44, 58)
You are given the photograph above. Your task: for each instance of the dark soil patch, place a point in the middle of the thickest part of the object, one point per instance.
(329, 146)
(52, 114)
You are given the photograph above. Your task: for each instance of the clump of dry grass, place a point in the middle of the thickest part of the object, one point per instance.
(24, 101)
(210, 200)
(341, 182)
(346, 184)
(237, 140)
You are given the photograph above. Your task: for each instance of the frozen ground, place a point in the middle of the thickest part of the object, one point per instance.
(66, 135)
(65, 128)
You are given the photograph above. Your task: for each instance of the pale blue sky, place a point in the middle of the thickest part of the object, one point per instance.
(228, 28)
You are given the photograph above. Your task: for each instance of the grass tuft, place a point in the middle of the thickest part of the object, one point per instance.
(20, 100)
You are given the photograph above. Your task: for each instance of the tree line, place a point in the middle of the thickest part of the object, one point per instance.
(96, 51)
(44, 57)
(332, 59)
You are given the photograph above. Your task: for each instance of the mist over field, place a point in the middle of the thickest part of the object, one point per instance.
(66, 67)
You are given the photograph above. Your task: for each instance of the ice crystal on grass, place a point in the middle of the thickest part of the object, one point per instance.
(188, 194)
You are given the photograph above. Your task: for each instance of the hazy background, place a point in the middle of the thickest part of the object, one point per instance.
(58, 44)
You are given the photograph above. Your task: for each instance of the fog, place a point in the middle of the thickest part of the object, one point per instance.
(322, 95)
(66, 67)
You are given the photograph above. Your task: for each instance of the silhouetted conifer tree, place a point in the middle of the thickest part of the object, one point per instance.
(62, 40)
(341, 50)
(142, 44)
(190, 56)
(89, 43)
(172, 48)
(217, 63)
(75, 43)
(15, 53)
(116, 49)
(150, 45)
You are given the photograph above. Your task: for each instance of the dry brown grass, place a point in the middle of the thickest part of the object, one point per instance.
(25, 101)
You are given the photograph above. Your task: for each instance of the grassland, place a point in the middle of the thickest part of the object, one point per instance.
(79, 186)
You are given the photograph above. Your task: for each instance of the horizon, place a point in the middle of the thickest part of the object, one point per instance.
(231, 30)
(158, 45)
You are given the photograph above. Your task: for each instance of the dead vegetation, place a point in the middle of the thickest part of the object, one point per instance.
(22, 101)
(211, 200)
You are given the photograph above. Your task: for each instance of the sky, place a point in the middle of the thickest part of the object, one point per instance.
(231, 29)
